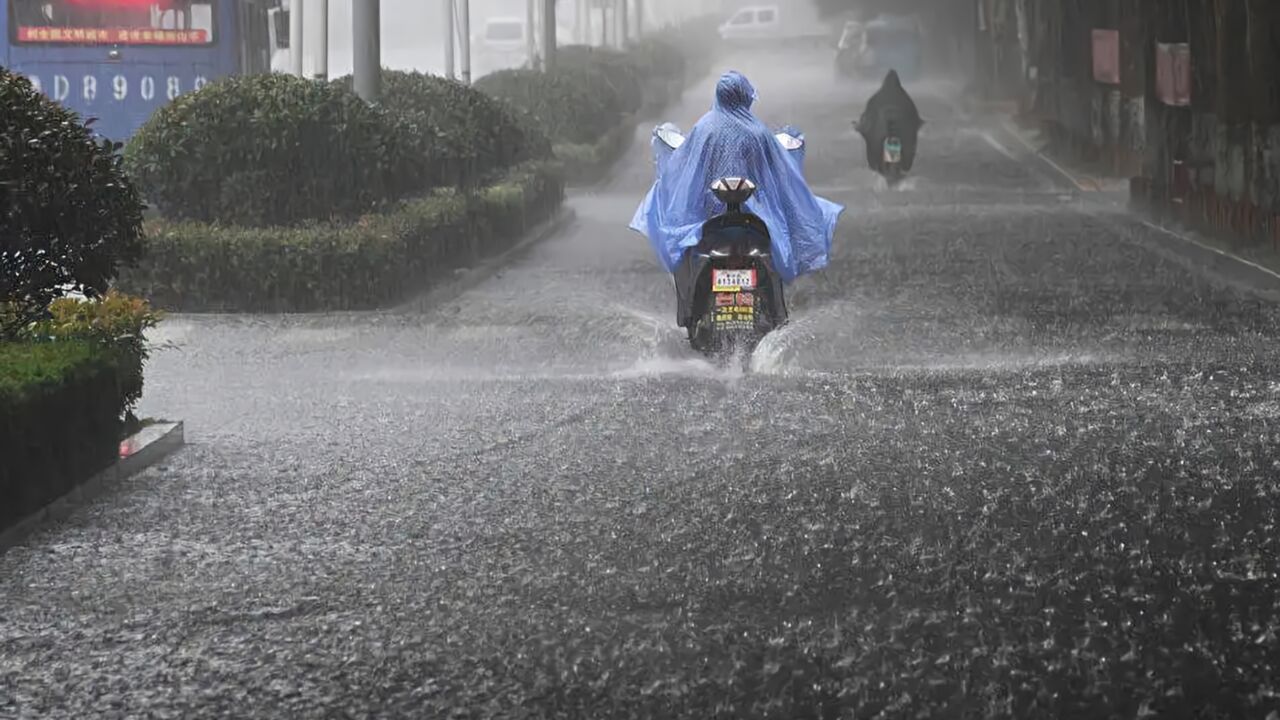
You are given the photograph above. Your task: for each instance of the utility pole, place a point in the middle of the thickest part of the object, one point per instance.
(639, 18)
(450, 33)
(531, 32)
(366, 26)
(322, 45)
(548, 35)
(295, 38)
(623, 25)
(464, 36)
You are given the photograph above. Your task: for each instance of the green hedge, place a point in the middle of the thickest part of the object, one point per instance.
(116, 322)
(463, 136)
(569, 109)
(620, 72)
(585, 164)
(60, 420)
(272, 150)
(588, 102)
(377, 260)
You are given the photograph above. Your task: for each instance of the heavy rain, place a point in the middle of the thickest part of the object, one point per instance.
(1013, 454)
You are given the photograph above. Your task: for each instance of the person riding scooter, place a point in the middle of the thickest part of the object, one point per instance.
(890, 112)
(728, 142)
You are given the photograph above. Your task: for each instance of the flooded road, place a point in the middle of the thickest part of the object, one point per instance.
(532, 500)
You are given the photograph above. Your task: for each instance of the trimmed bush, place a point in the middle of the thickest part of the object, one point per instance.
(70, 215)
(573, 105)
(463, 136)
(116, 322)
(60, 420)
(619, 71)
(586, 164)
(271, 150)
(377, 260)
(655, 57)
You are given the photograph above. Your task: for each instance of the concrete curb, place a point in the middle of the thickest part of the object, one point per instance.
(138, 452)
(1259, 279)
(1228, 265)
(1083, 184)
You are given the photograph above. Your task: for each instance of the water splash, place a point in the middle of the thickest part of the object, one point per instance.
(908, 184)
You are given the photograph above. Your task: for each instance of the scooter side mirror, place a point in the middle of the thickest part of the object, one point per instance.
(789, 141)
(669, 135)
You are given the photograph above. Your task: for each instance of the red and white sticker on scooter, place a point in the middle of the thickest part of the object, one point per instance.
(733, 281)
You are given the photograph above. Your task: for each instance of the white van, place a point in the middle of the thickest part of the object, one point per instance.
(751, 23)
(503, 44)
(797, 21)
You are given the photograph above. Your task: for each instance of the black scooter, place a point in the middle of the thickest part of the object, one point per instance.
(890, 162)
(729, 294)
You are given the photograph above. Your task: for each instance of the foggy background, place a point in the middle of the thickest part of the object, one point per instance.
(413, 30)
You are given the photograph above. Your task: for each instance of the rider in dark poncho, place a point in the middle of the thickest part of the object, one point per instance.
(891, 106)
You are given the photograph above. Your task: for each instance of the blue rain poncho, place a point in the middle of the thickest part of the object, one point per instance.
(730, 141)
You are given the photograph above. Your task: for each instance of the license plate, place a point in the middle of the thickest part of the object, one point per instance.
(893, 150)
(732, 280)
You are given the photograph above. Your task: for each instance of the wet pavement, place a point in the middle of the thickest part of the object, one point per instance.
(533, 500)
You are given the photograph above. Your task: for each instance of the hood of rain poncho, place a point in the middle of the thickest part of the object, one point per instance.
(730, 141)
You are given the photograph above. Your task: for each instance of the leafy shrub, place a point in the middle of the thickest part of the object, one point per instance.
(60, 420)
(116, 322)
(607, 67)
(587, 163)
(574, 105)
(379, 259)
(655, 57)
(461, 134)
(70, 216)
(271, 150)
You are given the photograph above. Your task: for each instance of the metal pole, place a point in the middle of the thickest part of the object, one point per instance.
(464, 36)
(450, 33)
(622, 24)
(531, 33)
(322, 46)
(366, 44)
(295, 38)
(548, 35)
(639, 18)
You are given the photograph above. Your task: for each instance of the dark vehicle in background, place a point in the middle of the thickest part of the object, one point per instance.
(894, 42)
(889, 42)
(851, 49)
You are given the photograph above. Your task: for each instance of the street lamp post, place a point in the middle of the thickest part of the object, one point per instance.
(295, 38)
(450, 33)
(464, 37)
(623, 25)
(548, 35)
(367, 46)
(322, 41)
(531, 32)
